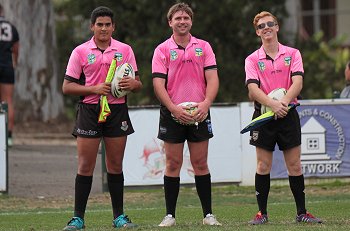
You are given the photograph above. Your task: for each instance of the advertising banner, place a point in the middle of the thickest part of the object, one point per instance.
(3, 153)
(144, 161)
(325, 148)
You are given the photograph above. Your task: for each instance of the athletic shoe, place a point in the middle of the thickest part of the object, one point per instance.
(259, 219)
(76, 223)
(123, 221)
(307, 218)
(168, 221)
(210, 219)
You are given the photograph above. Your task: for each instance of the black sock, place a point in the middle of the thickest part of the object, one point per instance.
(9, 134)
(116, 190)
(203, 186)
(82, 192)
(296, 184)
(262, 189)
(171, 191)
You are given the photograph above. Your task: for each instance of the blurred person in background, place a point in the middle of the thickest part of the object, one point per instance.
(346, 91)
(9, 47)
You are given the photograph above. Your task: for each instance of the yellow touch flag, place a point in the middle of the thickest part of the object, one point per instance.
(104, 108)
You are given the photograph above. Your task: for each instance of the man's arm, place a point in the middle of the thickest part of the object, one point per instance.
(163, 97)
(212, 79)
(278, 107)
(15, 52)
(72, 88)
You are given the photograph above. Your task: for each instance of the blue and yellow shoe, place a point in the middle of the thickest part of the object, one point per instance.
(76, 223)
(123, 222)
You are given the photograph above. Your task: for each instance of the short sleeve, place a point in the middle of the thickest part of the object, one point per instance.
(74, 67)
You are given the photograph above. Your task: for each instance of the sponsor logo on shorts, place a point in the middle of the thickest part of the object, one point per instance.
(162, 130)
(173, 55)
(86, 132)
(210, 129)
(91, 58)
(124, 126)
(255, 135)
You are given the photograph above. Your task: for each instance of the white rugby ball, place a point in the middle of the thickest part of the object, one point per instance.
(190, 111)
(276, 94)
(121, 71)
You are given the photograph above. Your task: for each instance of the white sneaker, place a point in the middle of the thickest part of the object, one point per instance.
(168, 221)
(210, 219)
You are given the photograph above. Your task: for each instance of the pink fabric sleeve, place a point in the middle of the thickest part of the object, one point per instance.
(209, 57)
(297, 65)
(159, 62)
(74, 67)
(250, 70)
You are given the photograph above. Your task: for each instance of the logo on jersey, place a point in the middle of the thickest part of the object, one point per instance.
(91, 58)
(199, 51)
(173, 55)
(262, 66)
(118, 56)
(287, 61)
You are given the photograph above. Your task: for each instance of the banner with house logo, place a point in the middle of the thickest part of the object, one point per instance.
(325, 148)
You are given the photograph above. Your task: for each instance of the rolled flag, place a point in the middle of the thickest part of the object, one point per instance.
(104, 108)
(263, 119)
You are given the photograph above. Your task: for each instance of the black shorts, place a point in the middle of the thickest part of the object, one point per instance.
(117, 124)
(7, 75)
(285, 132)
(173, 132)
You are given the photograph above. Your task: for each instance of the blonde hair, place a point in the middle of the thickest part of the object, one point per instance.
(262, 15)
(179, 7)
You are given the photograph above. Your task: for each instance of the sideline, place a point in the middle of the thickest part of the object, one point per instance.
(138, 209)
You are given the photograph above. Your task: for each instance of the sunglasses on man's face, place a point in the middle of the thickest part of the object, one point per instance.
(263, 25)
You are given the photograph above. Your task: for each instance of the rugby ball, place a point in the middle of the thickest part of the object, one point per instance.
(191, 110)
(121, 71)
(276, 94)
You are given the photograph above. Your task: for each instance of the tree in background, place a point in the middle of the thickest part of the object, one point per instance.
(37, 88)
(226, 24)
(324, 64)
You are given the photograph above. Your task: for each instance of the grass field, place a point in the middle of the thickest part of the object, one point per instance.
(233, 205)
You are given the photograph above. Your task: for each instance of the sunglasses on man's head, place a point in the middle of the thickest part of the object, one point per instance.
(263, 25)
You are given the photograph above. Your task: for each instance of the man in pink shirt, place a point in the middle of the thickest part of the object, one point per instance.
(184, 70)
(85, 76)
(270, 67)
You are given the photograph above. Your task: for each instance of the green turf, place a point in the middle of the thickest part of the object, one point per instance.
(233, 206)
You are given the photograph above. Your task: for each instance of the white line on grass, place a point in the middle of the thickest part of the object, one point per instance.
(134, 209)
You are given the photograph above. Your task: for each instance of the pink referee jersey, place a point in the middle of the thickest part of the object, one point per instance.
(88, 66)
(270, 74)
(184, 68)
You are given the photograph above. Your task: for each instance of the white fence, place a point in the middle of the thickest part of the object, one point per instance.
(231, 158)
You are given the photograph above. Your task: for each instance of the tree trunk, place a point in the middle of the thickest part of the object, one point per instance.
(38, 87)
